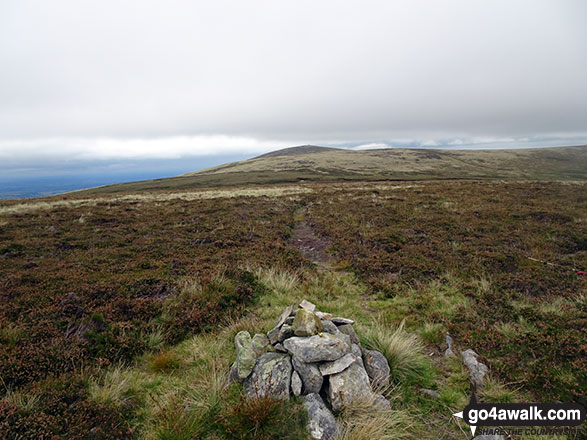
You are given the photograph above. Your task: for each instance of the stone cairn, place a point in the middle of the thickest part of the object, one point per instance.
(315, 355)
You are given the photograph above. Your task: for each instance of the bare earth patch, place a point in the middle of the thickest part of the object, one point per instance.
(310, 244)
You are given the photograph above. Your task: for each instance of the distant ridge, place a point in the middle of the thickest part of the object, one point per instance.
(311, 163)
(302, 149)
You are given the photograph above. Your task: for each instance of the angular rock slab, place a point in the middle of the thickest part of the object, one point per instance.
(321, 423)
(477, 370)
(329, 327)
(317, 348)
(284, 315)
(245, 355)
(309, 374)
(296, 384)
(307, 305)
(333, 367)
(348, 329)
(341, 321)
(377, 368)
(285, 332)
(271, 377)
(347, 386)
(306, 323)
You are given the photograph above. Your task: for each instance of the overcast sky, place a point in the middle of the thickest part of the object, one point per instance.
(146, 79)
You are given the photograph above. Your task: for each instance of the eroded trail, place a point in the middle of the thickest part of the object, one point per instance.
(310, 244)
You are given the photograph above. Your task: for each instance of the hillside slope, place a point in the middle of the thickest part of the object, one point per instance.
(310, 163)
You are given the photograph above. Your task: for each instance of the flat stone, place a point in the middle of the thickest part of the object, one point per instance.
(477, 370)
(306, 323)
(271, 377)
(340, 321)
(307, 305)
(260, 344)
(309, 374)
(317, 348)
(329, 327)
(321, 423)
(348, 329)
(377, 368)
(333, 367)
(245, 356)
(347, 386)
(285, 332)
(284, 315)
(323, 315)
(296, 384)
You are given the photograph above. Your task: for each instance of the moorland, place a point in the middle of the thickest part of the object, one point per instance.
(119, 304)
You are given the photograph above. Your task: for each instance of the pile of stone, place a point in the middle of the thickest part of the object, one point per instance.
(315, 355)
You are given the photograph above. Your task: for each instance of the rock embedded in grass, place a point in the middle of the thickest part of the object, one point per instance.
(377, 368)
(245, 355)
(477, 370)
(321, 423)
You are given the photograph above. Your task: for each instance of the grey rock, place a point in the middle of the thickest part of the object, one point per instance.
(260, 344)
(273, 335)
(340, 321)
(356, 350)
(477, 370)
(430, 393)
(309, 374)
(377, 368)
(245, 356)
(348, 329)
(307, 305)
(448, 352)
(329, 327)
(347, 386)
(381, 402)
(285, 332)
(306, 323)
(296, 384)
(271, 377)
(280, 347)
(317, 348)
(321, 423)
(333, 367)
(322, 315)
(284, 315)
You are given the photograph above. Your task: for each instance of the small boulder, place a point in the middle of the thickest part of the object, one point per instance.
(430, 393)
(448, 352)
(477, 370)
(309, 374)
(321, 423)
(260, 344)
(329, 327)
(306, 323)
(245, 356)
(348, 329)
(296, 384)
(347, 386)
(317, 348)
(271, 377)
(377, 368)
(333, 367)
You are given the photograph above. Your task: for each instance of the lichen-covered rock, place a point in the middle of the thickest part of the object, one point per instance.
(317, 348)
(333, 367)
(307, 305)
(296, 384)
(321, 423)
(271, 377)
(285, 332)
(309, 374)
(306, 323)
(348, 329)
(347, 386)
(245, 355)
(477, 370)
(260, 344)
(377, 368)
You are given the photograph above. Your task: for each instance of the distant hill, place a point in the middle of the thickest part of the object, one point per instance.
(320, 164)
